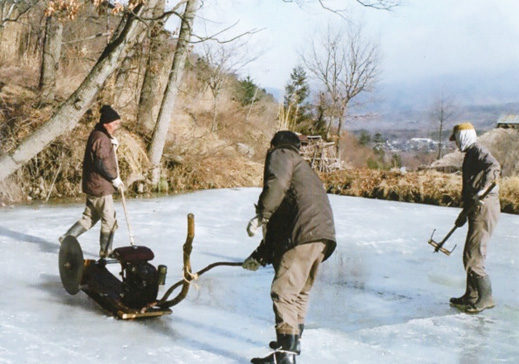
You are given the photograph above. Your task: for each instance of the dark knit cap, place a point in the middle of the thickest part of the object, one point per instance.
(286, 137)
(108, 115)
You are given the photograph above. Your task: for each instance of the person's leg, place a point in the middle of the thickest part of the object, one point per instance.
(88, 219)
(105, 207)
(293, 280)
(480, 231)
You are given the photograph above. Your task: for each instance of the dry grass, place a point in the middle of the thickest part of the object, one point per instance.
(428, 187)
(216, 172)
(422, 187)
(509, 194)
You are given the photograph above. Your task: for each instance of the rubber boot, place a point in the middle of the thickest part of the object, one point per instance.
(485, 299)
(105, 242)
(470, 296)
(75, 230)
(274, 344)
(286, 354)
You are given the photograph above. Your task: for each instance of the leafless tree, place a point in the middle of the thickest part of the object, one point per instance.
(374, 4)
(168, 102)
(346, 65)
(219, 60)
(442, 111)
(158, 64)
(12, 10)
(50, 58)
(68, 114)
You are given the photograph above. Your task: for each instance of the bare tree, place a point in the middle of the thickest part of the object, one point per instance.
(374, 4)
(12, 10)
(68, 114)
(168, 102)
(158, 64)
(346, 65)
(443, 110)
(50, 58)
(217, 61)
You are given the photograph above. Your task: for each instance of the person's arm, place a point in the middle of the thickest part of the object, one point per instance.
(277, 180)
(102, 152)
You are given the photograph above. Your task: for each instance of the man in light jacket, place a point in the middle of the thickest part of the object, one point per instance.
(299, 234)
(100, 181)
(480, 169)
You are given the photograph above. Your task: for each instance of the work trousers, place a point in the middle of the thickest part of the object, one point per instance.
(294, 277)
(99, 208)
(481, 225)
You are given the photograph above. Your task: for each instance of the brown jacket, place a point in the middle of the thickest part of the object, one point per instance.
(295, 203)
(99, 164)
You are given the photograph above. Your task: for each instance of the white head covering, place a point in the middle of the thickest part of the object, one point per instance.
(465, 135)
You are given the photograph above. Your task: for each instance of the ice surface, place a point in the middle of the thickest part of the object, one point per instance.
(381, 298)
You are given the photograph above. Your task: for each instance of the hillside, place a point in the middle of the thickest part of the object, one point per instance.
(213, 142)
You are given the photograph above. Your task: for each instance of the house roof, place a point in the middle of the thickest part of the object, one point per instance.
(508, 119)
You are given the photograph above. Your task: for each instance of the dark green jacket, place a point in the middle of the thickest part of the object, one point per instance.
(295, 203)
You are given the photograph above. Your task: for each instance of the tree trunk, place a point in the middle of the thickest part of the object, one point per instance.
(214, 127)
(158, 65)
(168, 103)
(68, 114)
(50, 59)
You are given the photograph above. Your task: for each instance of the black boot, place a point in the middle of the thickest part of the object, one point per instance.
(485, 299)
(274, 344)
(105, 242)
(75, 230)
(470, 296)
(286, 354)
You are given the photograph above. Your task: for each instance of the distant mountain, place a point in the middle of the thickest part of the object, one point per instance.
(480, 99)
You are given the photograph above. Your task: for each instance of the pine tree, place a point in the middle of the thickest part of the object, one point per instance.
(247, 91)
(295, 102)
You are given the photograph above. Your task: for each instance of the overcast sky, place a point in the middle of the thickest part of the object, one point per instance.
(419, 40)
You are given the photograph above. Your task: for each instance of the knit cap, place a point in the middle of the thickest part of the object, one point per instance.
(108, 115)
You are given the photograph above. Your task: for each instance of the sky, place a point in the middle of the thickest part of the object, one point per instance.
(382, 297)
(466, 42)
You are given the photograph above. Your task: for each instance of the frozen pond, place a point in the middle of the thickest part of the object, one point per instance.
(381, 298)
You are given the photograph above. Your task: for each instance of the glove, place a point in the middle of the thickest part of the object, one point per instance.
(115, 142)
(461, 220)
(254, 225)
(251, 264)
(117, 183)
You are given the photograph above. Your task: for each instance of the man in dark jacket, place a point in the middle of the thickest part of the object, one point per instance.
(480, 169)
(100, 180)
(299, 234)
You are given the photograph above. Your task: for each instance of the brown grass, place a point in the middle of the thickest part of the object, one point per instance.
(427, 187)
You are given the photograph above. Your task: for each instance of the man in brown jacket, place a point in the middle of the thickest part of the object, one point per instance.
(480, 169)
(100, 180)
(299, 234)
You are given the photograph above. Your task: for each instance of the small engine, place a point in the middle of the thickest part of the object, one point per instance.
(140, 279)
(140, 284)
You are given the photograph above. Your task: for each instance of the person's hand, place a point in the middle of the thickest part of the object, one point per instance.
(251, 264)
(117, 183)
(461, 220)
(115, 142)
(253, 226)
(477, 198)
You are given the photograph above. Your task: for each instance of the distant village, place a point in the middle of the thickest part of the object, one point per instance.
(425, 145)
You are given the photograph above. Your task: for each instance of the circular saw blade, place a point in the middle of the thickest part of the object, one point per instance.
(71, 264)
